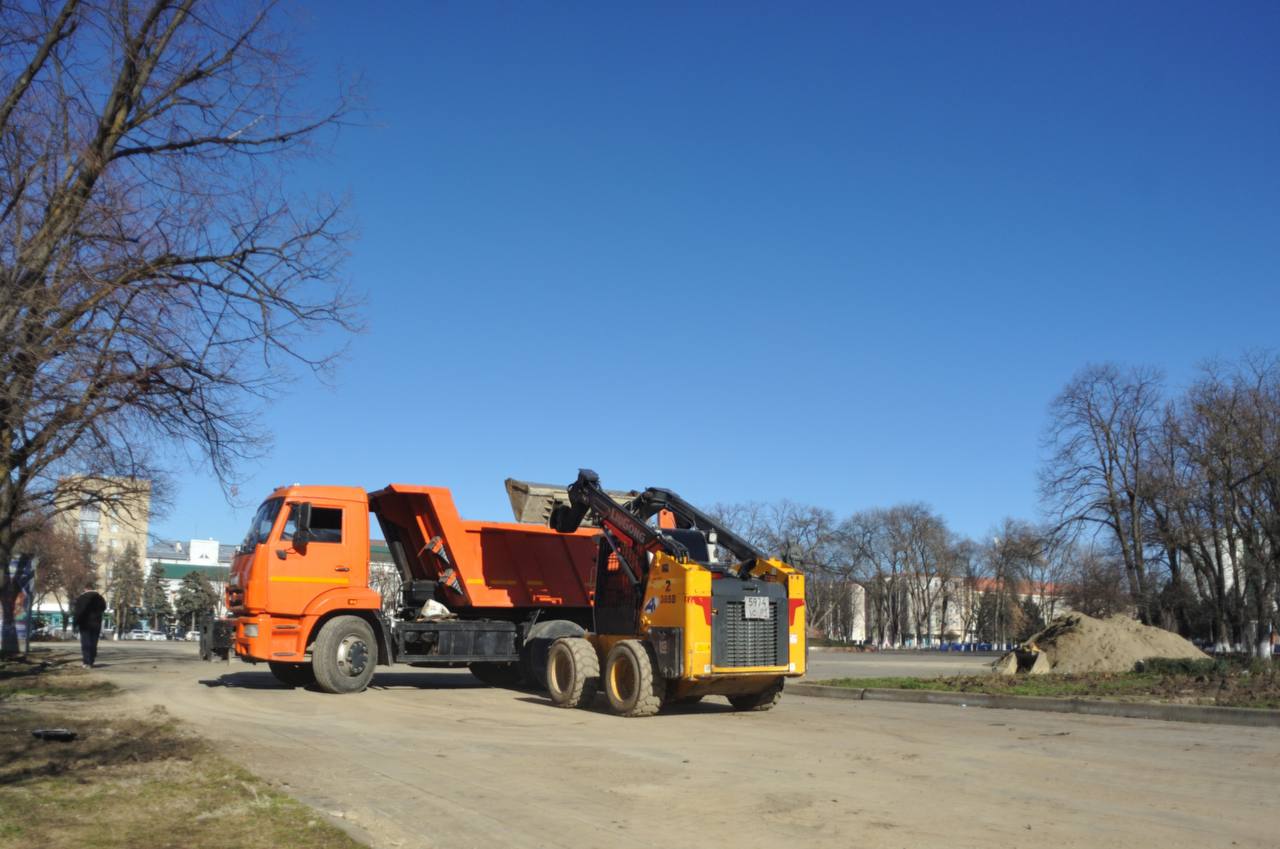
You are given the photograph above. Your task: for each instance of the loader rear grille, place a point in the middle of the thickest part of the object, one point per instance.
(746, 642)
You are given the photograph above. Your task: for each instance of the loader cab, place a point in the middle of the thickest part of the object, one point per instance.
(619, 593)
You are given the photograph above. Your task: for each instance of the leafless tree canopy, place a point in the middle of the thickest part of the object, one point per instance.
(157, 273)
(1102, 428)
(1186, 491)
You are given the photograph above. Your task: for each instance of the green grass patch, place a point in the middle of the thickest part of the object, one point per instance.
(1211, 682)
(55, 675)
(128, 781)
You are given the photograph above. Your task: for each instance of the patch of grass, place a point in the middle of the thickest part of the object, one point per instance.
(55, 676)
(1194, 682)
(128, 781)
(1186, 666)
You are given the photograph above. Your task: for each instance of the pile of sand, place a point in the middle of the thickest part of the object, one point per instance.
(1079, 643)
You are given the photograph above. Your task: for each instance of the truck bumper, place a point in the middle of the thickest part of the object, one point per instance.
(266, 637)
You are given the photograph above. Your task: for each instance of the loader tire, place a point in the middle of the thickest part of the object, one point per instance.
(763, 700)
(293, 674)
(536, 649)
(573, 672)
(344, 655)
(630, 683)
(505, 675)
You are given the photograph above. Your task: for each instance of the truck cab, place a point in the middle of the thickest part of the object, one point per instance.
(305, 559)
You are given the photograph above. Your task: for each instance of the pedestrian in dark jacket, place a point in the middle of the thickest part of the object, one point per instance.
(87, 617)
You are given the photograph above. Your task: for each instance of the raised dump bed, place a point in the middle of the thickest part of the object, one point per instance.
(484, 566)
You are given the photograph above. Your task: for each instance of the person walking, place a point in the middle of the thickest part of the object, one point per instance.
(87, 617)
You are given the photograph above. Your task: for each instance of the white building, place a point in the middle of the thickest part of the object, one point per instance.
(180, 559)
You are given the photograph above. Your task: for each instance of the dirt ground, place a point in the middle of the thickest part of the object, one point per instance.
(433, 759)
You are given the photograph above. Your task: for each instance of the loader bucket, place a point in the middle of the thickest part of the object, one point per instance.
(532, 503)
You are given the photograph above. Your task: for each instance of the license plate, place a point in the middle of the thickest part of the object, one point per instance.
(756, 608)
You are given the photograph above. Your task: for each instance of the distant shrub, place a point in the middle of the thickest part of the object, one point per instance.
(1181, 666)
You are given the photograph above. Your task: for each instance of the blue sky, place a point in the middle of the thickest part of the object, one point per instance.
(842, 254)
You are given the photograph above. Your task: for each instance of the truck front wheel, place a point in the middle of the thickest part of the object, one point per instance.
(573, 672)
(344, 655)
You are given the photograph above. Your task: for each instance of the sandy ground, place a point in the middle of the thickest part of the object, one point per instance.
(433, 759)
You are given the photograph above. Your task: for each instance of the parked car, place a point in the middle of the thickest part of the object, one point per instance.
(135, 634)
(191, 635)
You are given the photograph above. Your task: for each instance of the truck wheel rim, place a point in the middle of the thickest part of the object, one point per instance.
(353, 656)
(560, 672)
(622, 678)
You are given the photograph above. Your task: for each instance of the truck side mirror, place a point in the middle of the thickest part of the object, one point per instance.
(302, 533)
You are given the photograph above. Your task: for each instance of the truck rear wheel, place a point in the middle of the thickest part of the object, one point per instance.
(293, 674)
(629, 680)
(344, 655)
(573, 672)
(497, 674)
(764, 700)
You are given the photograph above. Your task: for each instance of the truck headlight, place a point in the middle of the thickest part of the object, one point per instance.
(251, 630)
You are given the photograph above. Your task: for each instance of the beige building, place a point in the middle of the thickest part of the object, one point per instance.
(110, 528)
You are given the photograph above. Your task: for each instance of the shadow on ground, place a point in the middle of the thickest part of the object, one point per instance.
(264, 680)
(600, 705)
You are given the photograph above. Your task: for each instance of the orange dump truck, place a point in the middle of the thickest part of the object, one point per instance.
(492, 596)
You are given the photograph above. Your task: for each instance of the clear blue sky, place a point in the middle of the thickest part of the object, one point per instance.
(844, 256)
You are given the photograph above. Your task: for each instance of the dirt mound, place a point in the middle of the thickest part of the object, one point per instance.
(1079, 643)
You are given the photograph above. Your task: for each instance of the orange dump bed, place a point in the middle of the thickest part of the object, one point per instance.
(484, 564)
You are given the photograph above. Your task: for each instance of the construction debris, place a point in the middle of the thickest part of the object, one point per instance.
(1079, 643)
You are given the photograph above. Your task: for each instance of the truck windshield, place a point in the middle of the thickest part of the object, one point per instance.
(260, 527)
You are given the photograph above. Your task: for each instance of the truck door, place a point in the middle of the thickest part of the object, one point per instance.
(300, 571)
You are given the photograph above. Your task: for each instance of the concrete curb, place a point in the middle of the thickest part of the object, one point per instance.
(1251, 717)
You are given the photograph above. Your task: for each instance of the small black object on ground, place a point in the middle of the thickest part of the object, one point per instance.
(62, 735)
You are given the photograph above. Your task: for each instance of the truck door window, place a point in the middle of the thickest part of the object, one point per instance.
(326, 524)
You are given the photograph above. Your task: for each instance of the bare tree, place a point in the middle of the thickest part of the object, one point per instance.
(1223, 494)
(63, 565)
(1102, 429)
(968, 579)
(1095, 581)
(157, 276)
(919, 540)
(1015, 547)
(878, 560)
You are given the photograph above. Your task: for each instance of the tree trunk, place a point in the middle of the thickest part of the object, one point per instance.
(9, 646)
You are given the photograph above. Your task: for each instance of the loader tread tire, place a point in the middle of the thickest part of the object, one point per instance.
(344, 655)
(763, 700)
(630, 682)
(573, 672)
(293, 674)
(536, 649)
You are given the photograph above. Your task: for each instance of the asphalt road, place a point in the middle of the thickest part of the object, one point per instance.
(434, 759)
(840, 664)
